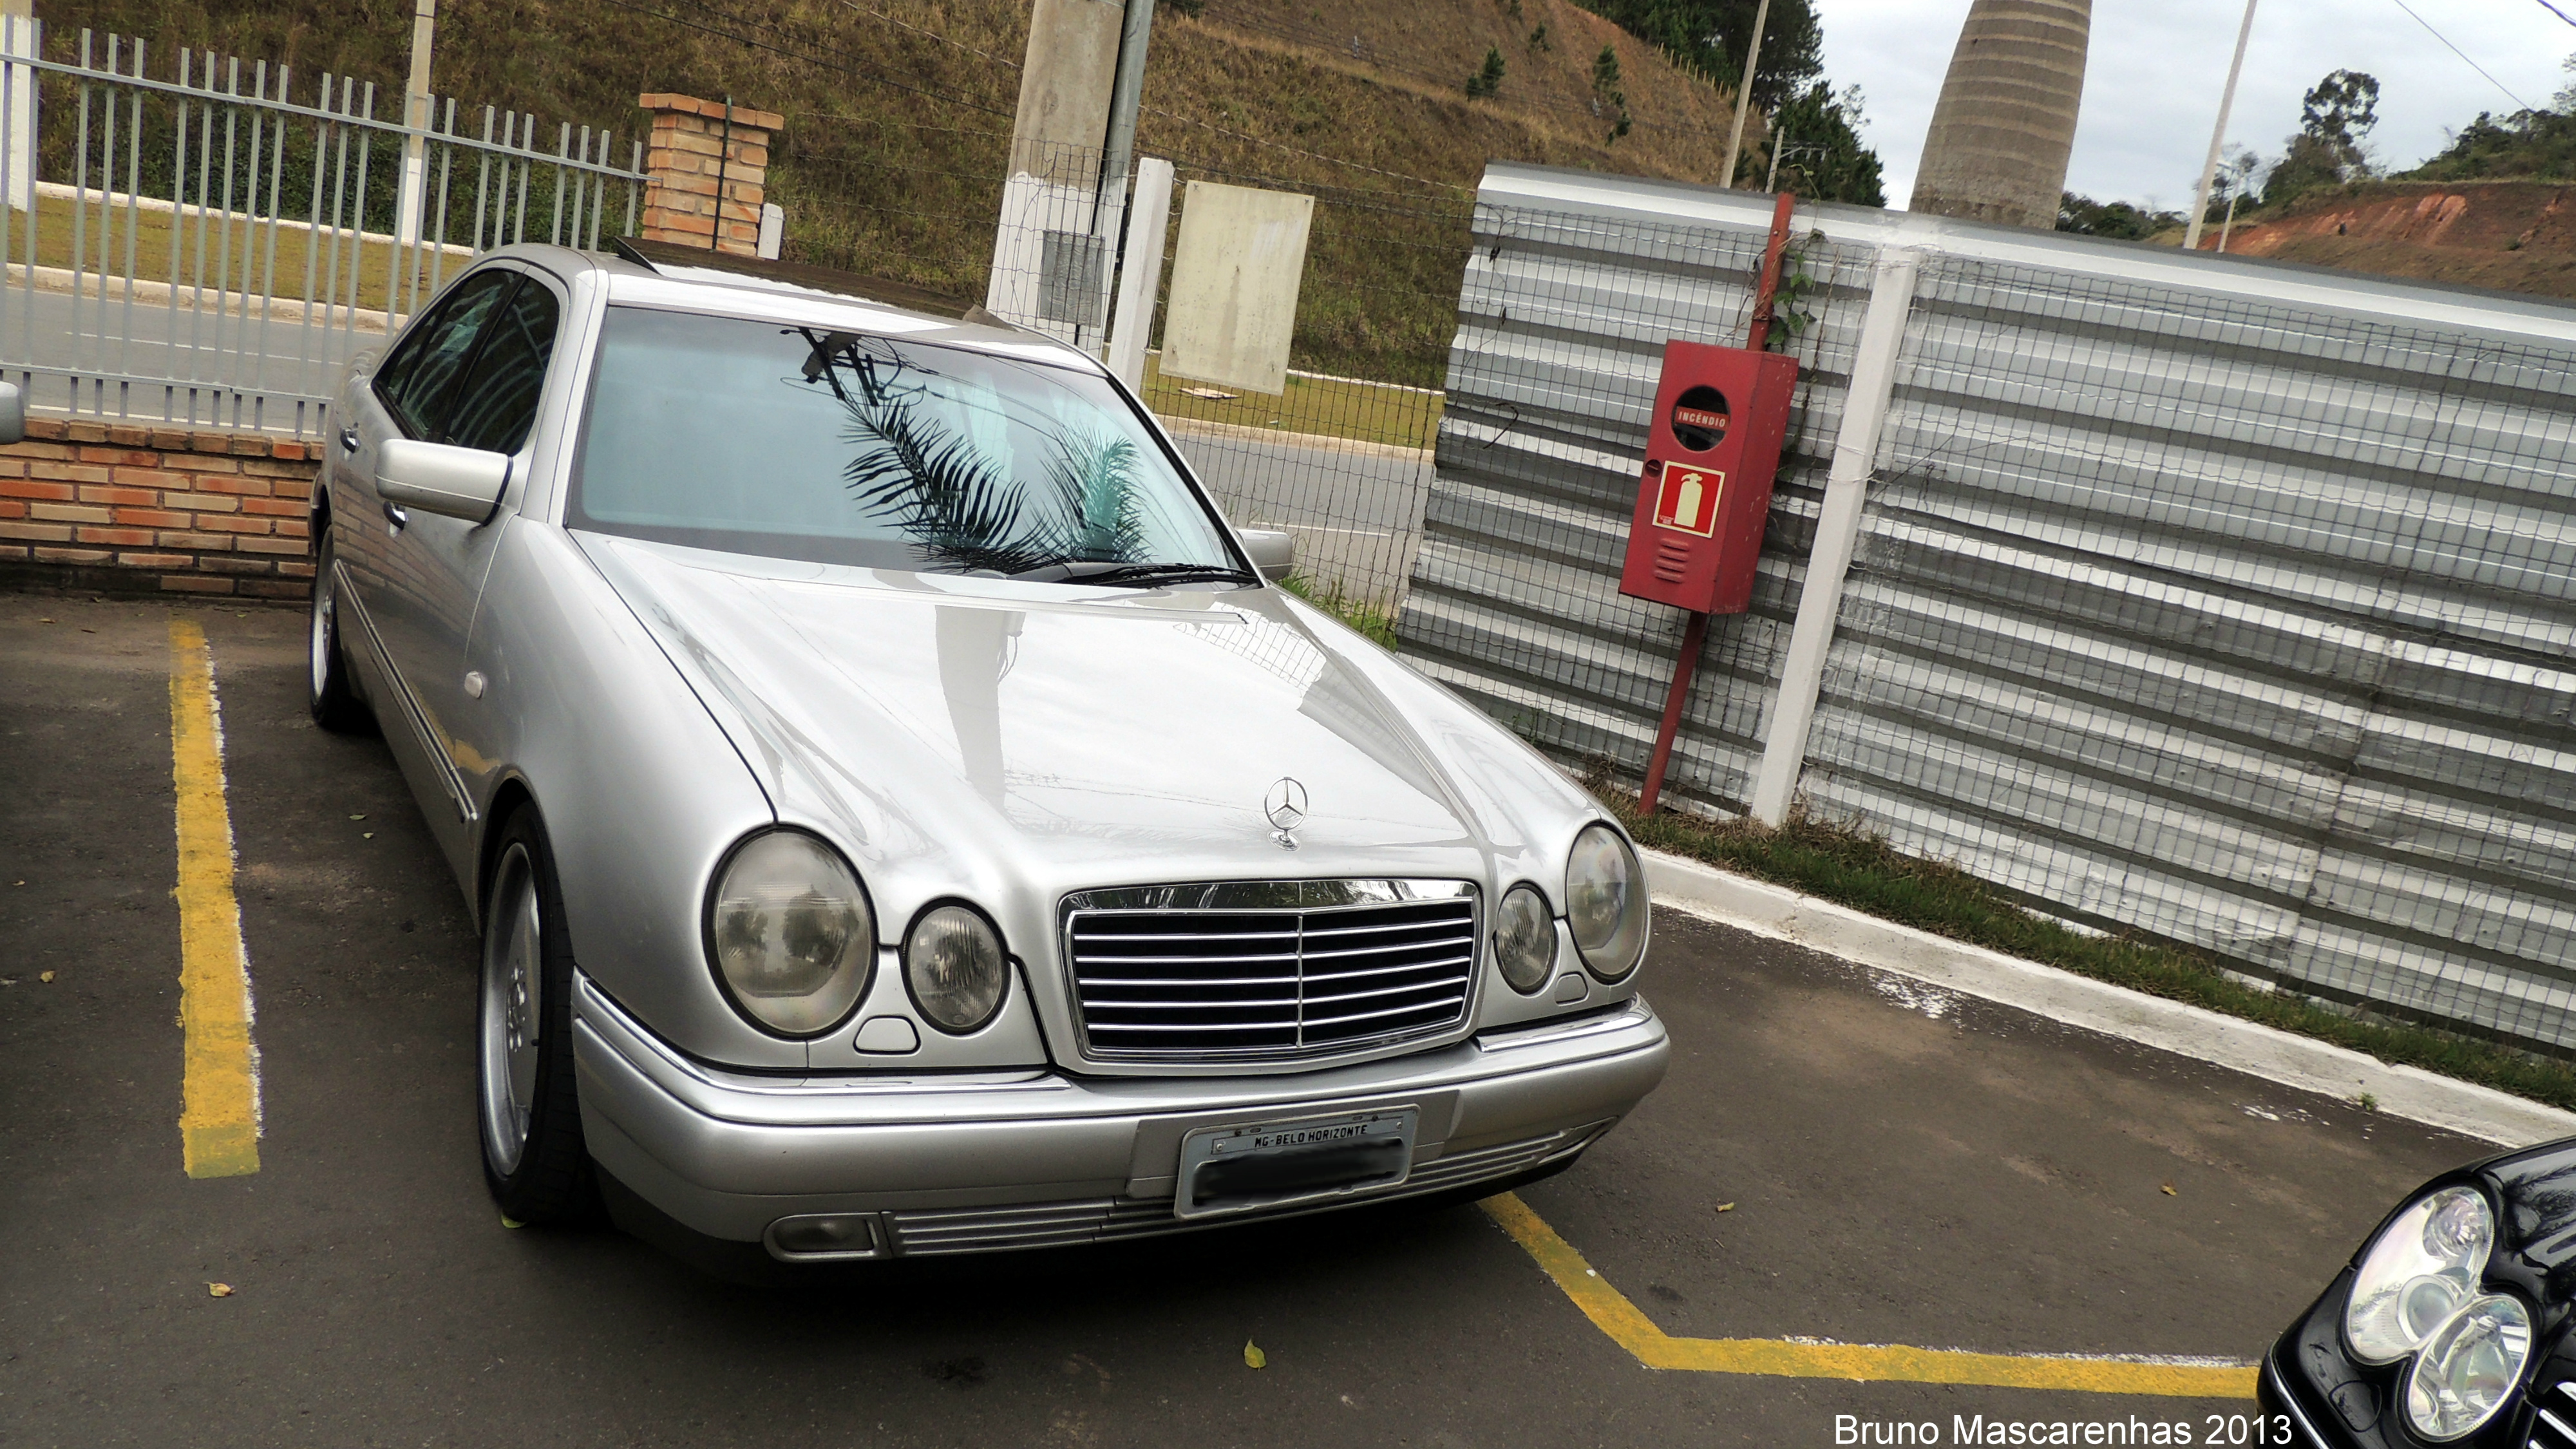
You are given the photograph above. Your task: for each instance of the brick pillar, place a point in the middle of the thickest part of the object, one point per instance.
(687, 153)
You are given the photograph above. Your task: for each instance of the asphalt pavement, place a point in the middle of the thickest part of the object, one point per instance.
(1838, 1154)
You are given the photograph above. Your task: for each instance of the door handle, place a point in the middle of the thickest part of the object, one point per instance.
(396, 517)
(348, 439)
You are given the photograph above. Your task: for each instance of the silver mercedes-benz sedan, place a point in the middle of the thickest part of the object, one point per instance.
(903, 816)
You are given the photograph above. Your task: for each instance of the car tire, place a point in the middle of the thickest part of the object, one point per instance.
(528, 1107)
(335, 703)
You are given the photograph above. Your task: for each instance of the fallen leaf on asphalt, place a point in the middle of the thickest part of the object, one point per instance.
(2169, 1190)
(219, 1290)
(1726, 1207)
(44, 621)
(1254, 1357)
(45, 976)
(508, 1221)
(366, 835)
(357, 817)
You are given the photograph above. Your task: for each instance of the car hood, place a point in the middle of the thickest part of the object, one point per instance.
(971, 736)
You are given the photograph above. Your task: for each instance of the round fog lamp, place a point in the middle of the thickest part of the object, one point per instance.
(1524, 939)
(2469, 1367)
(2418, 1271)
(954, 964)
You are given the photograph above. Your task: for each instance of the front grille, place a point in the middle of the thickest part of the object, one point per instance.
(1268, 969)
(2554, 1426)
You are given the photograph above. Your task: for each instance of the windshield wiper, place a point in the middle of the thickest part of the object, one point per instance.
(1124, 575)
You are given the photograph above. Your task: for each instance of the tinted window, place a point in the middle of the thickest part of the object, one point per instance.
(416, 380)
(498, 398)
(801, 443)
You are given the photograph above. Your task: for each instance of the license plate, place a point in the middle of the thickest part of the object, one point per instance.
(1276, 1164)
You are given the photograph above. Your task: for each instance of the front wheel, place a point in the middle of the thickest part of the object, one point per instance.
(336, 706)
(533, 1156)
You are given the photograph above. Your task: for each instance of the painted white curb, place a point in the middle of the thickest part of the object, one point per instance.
(2277, 1056)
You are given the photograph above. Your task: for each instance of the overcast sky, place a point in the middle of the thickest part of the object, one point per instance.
(2157, 66)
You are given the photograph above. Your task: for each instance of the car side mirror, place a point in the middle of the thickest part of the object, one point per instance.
(458, 482)
(13, 414)
(1273, 551)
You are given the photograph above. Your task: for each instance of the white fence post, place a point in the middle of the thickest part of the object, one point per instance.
(1140, 271)
(1873, 380)
(18, 107)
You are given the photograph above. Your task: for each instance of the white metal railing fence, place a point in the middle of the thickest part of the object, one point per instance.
(204, 250)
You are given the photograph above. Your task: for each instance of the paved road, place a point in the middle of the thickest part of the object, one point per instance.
(1357, 513)
(55, 329)
(1904, 1167)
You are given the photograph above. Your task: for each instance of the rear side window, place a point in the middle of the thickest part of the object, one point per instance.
(415, 382)
(498, 398)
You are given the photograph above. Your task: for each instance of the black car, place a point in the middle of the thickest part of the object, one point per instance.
(2450, 1326)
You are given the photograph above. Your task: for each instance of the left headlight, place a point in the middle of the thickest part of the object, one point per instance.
(1605, 902)
(954, 963)
(791, 933)
(2469, 1367)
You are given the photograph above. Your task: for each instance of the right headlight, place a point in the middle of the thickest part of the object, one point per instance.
(2419, 1270)
(1525, 939)
(954, 963)
(2469, 1367)
(1605, 902)
(791, 932)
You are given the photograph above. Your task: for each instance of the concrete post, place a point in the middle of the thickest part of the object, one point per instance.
(1049, 264)
(694, 150)
(1140, 272)
(1802, 674)
(417, 115)
(18, 105)
(2005, 123)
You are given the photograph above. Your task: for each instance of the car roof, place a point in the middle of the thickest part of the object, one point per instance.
(667, 274)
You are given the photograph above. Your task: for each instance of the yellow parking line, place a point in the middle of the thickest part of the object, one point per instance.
(1610, 1310)
(219, 1112)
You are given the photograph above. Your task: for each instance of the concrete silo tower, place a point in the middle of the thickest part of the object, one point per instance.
(2006, 119)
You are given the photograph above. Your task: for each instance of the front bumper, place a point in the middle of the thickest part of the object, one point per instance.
(961, 1162)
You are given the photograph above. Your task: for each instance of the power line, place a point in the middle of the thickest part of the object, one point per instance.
(2464, 55)
(2561, 14)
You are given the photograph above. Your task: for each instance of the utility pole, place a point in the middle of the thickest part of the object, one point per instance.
(2218, 136)
(417, 115)
(1118, 154)
(1050, 260)
(1744, 94)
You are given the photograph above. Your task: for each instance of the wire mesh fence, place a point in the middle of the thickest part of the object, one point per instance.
(203, 240)
(2192, 599)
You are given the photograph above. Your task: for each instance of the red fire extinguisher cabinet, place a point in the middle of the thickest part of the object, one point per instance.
(1712, 444)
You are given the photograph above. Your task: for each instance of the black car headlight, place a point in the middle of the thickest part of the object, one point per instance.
(791, 933)
(2417, 1292)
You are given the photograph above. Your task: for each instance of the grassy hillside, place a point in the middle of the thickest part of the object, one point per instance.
(898, 114)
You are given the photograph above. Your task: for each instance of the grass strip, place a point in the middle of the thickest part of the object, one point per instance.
(1852, 867)
(1372, 619)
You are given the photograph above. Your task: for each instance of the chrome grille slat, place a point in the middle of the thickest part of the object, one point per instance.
(1160, 974)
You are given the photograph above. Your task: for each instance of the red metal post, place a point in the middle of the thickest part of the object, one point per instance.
(1695, 634)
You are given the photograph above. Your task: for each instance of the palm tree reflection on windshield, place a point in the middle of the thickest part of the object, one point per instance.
(945, 494)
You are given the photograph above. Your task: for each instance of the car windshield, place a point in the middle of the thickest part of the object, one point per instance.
(805, 443)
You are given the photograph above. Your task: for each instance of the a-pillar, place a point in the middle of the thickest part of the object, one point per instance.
(696, 148)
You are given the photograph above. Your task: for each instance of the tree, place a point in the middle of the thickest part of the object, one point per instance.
(1488, 78)
(1605, 91)
(1825, 158)
(2084, 216)
(2332, 144)
(1712, 35)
